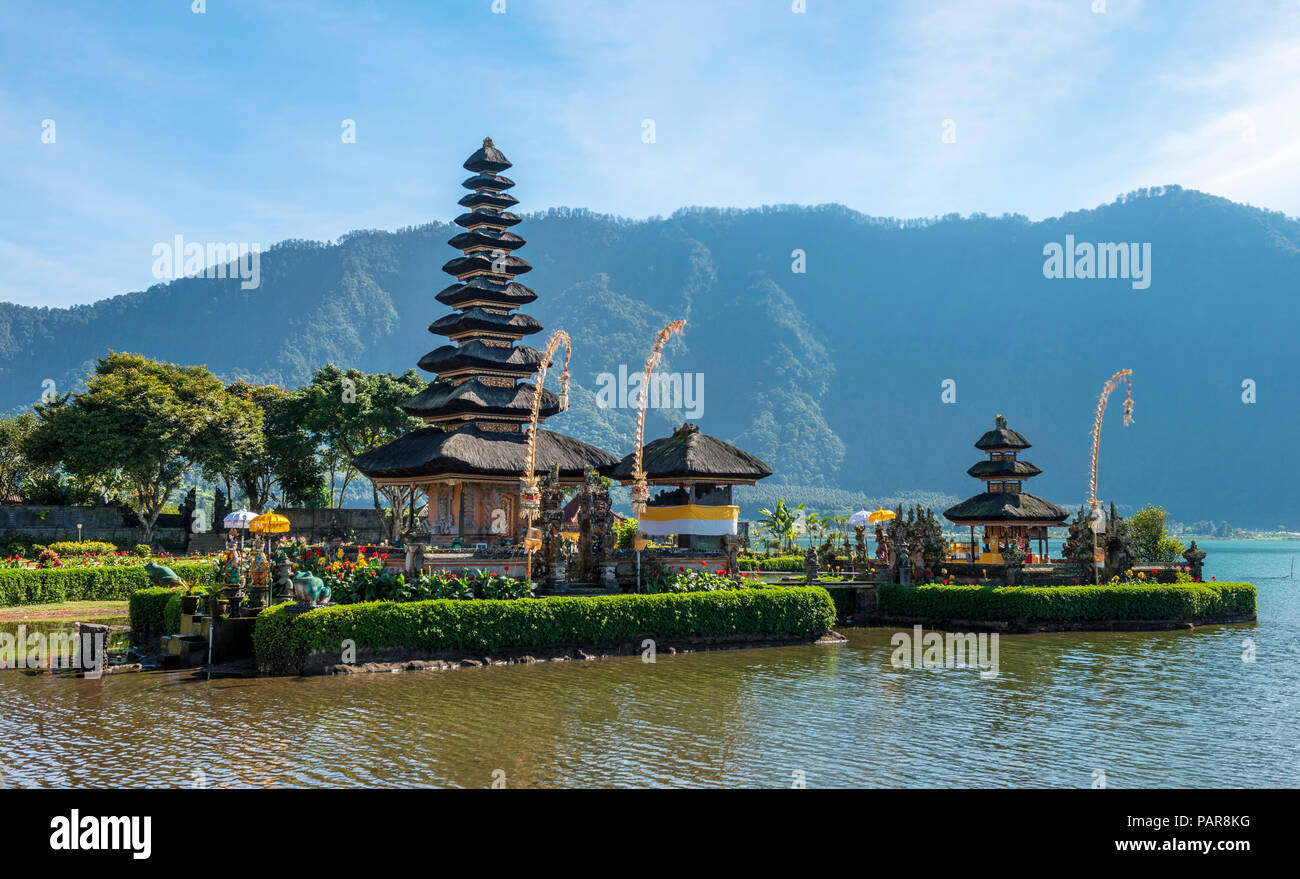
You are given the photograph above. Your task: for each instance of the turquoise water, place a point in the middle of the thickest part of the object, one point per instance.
(1142, 709)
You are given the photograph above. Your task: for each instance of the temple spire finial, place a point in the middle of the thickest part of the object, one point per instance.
(487, 142)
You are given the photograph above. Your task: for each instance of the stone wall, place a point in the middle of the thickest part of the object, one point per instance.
(358, 525)
(111, 523)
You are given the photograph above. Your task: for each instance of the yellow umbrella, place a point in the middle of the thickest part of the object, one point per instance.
(881, 515)
(269, 523)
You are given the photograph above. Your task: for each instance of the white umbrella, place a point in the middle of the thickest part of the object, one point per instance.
(238, 519)
(861, 517)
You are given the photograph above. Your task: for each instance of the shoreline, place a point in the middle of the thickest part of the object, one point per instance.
(1033, 627)
(410, 659)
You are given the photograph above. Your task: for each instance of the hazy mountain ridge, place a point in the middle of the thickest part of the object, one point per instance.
(833, 376)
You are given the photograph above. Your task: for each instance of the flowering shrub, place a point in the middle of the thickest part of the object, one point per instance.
(394, 586)
(84, 547)
(678, 579)
(366, 579)
(48, 559)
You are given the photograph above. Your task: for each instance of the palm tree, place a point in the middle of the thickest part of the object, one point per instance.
(816, 527)
(780, 522)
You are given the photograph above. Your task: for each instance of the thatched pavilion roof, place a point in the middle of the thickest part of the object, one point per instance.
(471, 451)
(1015, 507)
(692, 456)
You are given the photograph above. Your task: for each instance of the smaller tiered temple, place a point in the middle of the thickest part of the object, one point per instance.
(1007, 514)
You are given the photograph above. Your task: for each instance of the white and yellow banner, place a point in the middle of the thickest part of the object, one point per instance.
(689, 519)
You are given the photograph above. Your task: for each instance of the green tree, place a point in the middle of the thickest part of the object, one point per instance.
(1147, 529)
(140, 421)
(15, 468)
(349, 412)
(272, 451)
(233, 450)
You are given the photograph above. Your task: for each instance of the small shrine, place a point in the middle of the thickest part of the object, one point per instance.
(1010, 517)
(695, 473)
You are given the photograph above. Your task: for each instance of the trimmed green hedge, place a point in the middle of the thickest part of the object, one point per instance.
(1167, 601)
(283, 638)
(147, 608)
(109, 583)
(775, 563)
(172, 614)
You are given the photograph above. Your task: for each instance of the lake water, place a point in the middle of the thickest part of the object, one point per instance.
(1147, 709)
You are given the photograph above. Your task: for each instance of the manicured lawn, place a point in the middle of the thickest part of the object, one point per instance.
(65, 610)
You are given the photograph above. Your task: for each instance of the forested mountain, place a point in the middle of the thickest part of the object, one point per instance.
(833, 375)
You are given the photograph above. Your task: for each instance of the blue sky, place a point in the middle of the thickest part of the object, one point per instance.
(225, 126)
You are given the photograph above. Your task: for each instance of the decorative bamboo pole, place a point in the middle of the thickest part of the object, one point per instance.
(530, 501)
(1096, 429)
(640, 490)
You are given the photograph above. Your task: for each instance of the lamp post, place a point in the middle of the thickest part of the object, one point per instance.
(78, 532)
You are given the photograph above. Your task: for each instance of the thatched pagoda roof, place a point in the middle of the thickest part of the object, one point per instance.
(486, 199)
(487, 159)
(480, 394)
(1003, 469)
(692, 456)
(479, 261)
(1006, 506)
(1001, 437)
(492, 218)
(518, 360)
(487, 181)
(473, 397)
(481, 320)
(494, 238)
(481, 289)
(470, 451)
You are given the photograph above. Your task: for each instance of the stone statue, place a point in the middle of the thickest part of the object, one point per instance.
(1078, 546)
(1195, 560)
(810, 566)
(336, 534)
(1120, 552)
(188, 506)
(310, 589)
(731, 546)
(1014, 555)
(219, 509)
(598, 543)
(161, 575)
(551, 562)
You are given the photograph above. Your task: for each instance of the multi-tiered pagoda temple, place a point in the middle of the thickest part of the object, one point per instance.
(470, 458)
(1007, 514)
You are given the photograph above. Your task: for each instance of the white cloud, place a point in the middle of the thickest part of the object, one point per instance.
(1243, 139)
